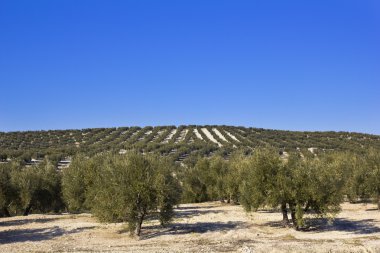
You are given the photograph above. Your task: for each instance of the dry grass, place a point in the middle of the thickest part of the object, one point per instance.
(207, 227)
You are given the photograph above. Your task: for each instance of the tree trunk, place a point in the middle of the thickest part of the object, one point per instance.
(6, 212)
(293, 214)
(378, 202)
(139, 224)
(307, 207)
(27, 209)
(285, 219)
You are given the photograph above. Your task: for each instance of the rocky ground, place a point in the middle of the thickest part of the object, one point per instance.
(207, 227)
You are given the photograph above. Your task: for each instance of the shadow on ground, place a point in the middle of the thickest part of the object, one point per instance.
(25, 221)
(187, 228)
(195, 207)
(366, 226)
(179, 227)
(188, 212)
(39, 234)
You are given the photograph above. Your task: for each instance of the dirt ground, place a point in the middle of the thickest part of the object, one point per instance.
(207, 227)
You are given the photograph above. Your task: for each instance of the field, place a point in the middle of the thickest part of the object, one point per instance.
(181, 144)
(206, 227)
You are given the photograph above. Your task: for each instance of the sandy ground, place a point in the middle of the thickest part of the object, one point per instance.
(207, 227)
(159, 133)
(232, 136)
(169, 137)
(199, 136)
(219, 134)
(182, 136)
(210, 137)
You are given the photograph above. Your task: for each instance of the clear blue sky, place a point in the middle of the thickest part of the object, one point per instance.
(294, 65)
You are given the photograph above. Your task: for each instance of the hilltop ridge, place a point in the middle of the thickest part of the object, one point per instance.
(177, 142)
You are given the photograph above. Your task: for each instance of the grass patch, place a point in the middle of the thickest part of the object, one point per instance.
(288, 237)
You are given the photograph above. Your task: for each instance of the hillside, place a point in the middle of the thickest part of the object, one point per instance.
(179, 143)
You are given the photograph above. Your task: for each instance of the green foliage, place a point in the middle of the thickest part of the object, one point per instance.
(38, 188)
(302, 184)
(62, 143)
(122, 188)
(373, 178)
(363, 176)
(73, 183)
(258, 186)
(7, 191)
(206, 180)
(130, 187)
(357, 178)
(233, 177)
(326, 182)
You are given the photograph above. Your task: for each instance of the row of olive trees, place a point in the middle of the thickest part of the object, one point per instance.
(133, 187)
(122, 188)
(297, 184)
(113, 187)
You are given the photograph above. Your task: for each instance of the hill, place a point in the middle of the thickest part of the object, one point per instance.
(179, 143)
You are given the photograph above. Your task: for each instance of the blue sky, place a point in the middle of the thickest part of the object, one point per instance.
(293, 65)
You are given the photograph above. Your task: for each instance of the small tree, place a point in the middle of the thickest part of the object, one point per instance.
(258, 179)
(132, 186)
(195, 188)
(297, 183)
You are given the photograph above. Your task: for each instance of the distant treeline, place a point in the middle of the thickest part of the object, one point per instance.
(57, 144)
(134, 186)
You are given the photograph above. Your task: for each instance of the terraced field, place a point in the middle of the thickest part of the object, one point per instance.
(179, 143)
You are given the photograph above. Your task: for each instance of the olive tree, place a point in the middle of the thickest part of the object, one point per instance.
(297, 184)
(233, 178)
(373, 180)
(206, 180)
(357, 187)
(77, 179)
(123, 188)
(38, 187)
(7, 190)
(363, 181)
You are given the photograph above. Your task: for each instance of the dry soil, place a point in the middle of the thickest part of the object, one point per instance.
(207, 227)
